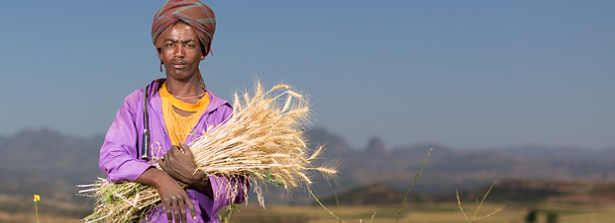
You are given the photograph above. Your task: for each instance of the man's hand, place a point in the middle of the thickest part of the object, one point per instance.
(172, 195)
(178, 163)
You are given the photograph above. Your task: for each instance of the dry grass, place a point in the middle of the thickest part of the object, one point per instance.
(415, 213)
(477, 207)
(263, 139)
(475, 211)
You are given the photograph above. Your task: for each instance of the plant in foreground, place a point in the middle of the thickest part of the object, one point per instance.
(477, 207)
(373, 215)
(37, 198)
(263, 139)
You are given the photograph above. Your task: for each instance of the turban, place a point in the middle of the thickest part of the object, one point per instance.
(194, 13)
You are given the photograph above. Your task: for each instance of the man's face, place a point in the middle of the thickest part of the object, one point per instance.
(181, 52)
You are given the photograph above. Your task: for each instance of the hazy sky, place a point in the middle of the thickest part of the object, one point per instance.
(466, 74)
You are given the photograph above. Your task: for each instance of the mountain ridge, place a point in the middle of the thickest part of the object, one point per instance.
(50, 163)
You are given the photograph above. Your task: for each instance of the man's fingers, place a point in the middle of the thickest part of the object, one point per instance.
(184, 148)
(163, 165)
(172, 150)
(189, 151)
(176, 209)
(167, 208)
(182, 211)
(165, 157)
(191, 208)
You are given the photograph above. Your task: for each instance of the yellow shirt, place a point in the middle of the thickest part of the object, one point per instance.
(179, 127)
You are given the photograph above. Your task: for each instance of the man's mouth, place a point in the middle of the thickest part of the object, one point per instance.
(178, 65)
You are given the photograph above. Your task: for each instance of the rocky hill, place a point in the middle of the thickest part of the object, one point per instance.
(448, 170)
(49, 163)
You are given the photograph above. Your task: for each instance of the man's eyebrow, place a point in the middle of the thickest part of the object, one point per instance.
(176, 41)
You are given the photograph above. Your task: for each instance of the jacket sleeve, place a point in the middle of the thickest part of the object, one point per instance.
(118, 154)
(228, 191)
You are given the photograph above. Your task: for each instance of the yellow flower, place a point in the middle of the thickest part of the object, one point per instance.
(37, 198)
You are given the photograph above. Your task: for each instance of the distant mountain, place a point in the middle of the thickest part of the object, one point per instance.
(373, 194)
(503, 192)
(537, 151)
(49, 163)
(448, 169)
(335, 145)
(376, 147)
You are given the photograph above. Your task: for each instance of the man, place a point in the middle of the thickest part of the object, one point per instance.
(179, 108)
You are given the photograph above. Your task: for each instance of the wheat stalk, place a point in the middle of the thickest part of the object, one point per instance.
(263, 139)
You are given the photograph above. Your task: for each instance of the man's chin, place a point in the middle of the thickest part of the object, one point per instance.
(180, 75)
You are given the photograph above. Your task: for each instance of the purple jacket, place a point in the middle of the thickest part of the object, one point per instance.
(118, 154)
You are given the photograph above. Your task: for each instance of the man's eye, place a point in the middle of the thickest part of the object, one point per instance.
(190, 45)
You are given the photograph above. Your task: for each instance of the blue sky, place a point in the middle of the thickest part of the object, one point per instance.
(466, 74)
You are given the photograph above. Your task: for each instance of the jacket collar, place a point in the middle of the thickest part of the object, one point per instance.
(214, 101)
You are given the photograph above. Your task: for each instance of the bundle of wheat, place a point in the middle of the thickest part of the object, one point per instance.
(263, 139)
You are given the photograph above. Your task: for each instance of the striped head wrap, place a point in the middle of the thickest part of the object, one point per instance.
(194, 13)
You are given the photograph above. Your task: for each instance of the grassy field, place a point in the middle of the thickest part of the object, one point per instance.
(443, 213)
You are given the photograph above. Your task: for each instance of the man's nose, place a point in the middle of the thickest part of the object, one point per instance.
(179, 51)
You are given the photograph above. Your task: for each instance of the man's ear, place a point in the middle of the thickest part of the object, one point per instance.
(204, 53)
